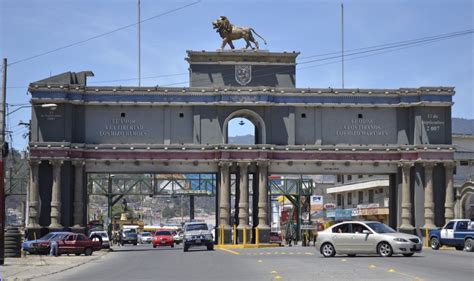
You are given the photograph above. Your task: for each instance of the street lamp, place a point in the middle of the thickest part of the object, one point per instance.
(52, 106)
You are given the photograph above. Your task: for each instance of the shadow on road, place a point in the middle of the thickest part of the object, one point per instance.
(145, 249)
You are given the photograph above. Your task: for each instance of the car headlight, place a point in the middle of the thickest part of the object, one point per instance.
(400, 240)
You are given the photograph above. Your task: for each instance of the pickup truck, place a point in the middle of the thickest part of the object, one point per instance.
(456, 233)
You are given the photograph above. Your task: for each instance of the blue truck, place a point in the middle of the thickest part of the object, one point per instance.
(456, 233)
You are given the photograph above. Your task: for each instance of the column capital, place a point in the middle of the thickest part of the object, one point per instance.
(56, 162)
(34, 162)
(406, 164)
(429, 165)
(450, 164)
(225, 164)
(78, 163)
(243, 164)
(263, 163)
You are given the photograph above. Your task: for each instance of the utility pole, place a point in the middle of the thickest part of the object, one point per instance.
(2, 171)
(139, 48)
(342, 42)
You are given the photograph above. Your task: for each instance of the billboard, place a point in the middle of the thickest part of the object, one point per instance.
(316, 203)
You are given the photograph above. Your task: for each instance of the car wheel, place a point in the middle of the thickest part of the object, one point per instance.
(434, 243)
(78, 254)
(385, 250)
(408, 254)
(134, 244)
(468, 245)
(327, 250)
(210, 248)
(185, 248)
(172, 245)
(459, 248)
(88, 251)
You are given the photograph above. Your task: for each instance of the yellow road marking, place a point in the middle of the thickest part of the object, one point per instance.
(310, 254)
(269, 253)
(259, 261)
(391, 270)
(230, 251)
(273, 272)
(371, 266)
(278, 277)
(283, 253)
(291, 253)
(343, 260)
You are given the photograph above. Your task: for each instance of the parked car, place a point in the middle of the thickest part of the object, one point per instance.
(145, 238)
(366, 237)
(177, 237)
(102, 237)
(275, 238)
(456, 233)
(129, 237)
(41, 245)
(78, 243)
(197, 234)
(163, 238)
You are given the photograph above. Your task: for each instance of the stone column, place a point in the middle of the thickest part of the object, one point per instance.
(78, 194)
(406, 198)
(56, 196)
(224, 199)
(449, 201)
(33, 198)
(263, 227)
(429, 199)
(244, 202)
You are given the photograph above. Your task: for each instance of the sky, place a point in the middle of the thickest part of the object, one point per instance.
(32, 27)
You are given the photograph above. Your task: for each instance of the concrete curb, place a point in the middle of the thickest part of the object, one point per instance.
(93, 258)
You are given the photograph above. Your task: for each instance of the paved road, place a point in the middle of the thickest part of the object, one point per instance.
(296, 263)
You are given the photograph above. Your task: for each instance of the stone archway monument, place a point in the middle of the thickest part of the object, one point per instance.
(403, 132)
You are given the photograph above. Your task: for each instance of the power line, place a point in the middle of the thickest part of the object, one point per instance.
(104, 34)
(393, 46)
(388, 44)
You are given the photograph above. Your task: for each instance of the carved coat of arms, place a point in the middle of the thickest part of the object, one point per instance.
(243, 74)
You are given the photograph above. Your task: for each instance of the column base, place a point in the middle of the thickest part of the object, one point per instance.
(264, 234)
(33, 232)
(240, 235)
(55, 227)
(78, 229)
(409, 229)
(227, 235)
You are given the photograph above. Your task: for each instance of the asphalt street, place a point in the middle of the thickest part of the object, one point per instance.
(142, 262)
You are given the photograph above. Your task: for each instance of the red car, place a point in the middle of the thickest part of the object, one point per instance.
(163, 238)
(69, 243)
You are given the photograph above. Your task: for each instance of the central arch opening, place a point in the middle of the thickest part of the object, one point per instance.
(244, 126)
(241, 130)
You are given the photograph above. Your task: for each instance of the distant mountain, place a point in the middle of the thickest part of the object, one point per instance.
(246, 139)
(462, 126)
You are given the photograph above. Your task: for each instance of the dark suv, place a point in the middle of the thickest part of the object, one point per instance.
(197, 234)
(129, 237)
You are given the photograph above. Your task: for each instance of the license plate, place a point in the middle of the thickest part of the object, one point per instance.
(198, 241)
(163, 242)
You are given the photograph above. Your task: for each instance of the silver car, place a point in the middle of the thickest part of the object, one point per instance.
(366, 237)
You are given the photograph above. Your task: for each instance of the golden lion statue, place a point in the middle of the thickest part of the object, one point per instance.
(230, 32)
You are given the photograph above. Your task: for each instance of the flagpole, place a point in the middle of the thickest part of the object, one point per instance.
(139, 47)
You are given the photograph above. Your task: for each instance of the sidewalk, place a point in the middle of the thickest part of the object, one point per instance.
(34, 266)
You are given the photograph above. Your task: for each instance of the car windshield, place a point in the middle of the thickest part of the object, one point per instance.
(146, 234)
(130, 234)
(58, 237)
(380, 227)
(200, 226)
(159, 233)
(48, 236)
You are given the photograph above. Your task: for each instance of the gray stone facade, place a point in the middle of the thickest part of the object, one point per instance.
(299, 131)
